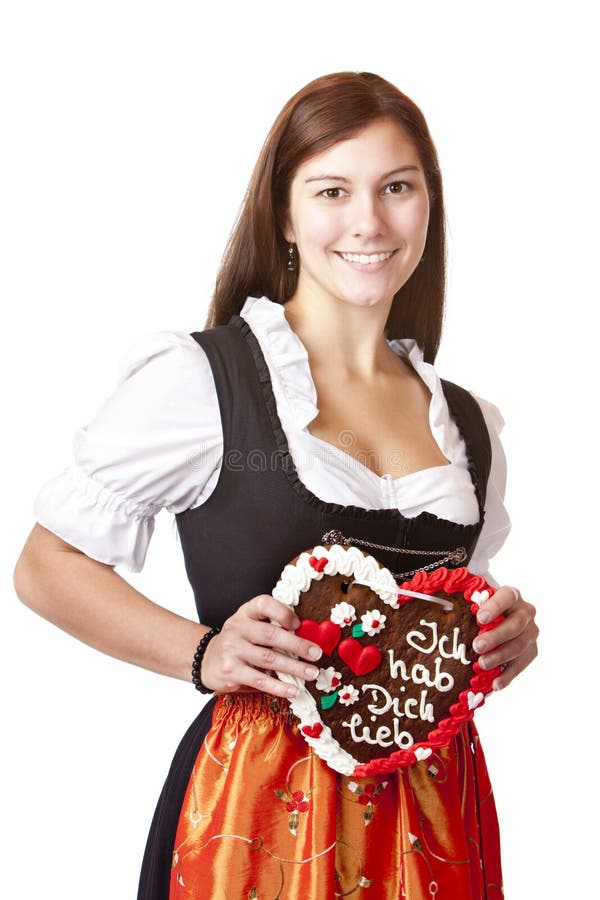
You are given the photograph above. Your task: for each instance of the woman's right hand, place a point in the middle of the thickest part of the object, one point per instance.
(249, 647)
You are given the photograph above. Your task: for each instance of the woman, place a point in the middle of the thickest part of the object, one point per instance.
(313, 396)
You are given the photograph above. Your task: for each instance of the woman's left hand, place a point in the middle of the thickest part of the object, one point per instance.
(513, 643)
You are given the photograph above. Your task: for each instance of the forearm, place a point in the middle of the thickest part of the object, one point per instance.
(93, 603)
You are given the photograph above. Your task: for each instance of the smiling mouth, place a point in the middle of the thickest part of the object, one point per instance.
(366, 258)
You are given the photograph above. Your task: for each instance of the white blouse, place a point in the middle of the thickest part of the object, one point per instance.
(157, 442)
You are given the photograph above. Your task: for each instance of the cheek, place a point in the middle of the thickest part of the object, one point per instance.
(411, 224)
(418, 216)
(321, 227)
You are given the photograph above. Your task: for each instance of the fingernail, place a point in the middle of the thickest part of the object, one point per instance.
(479, 645)
(483, 616)
(295, 624)
(311, 672)
(292, 692)
(483, 663)
(315, 652)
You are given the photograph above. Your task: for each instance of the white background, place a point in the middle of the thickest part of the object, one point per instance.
(129, 134)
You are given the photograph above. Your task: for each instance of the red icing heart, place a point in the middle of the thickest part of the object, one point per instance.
(361, 660)
(318, 564)
(312, 731)
(325, 634)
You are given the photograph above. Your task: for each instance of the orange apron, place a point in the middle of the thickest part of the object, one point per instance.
(264, 818)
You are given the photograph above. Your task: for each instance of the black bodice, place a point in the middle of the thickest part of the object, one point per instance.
(260, 515)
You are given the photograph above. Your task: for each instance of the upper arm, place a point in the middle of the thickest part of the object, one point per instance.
(41, 541)
(39, 547)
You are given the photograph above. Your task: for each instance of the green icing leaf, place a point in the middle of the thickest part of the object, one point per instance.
(357, 630)
(329, 700)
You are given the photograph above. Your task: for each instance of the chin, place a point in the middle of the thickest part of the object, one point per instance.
(366, 297)
(363, 302)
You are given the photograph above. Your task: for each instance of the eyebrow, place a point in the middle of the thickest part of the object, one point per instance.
(326, 177)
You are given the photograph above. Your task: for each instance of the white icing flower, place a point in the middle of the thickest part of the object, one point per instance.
(328, 679)
(348, 695)
(343, 614)
(373, 622)
(479, 597)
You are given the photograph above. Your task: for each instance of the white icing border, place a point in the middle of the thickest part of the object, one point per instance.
(296, 579)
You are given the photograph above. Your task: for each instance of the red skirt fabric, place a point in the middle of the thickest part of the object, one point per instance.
(264, 818)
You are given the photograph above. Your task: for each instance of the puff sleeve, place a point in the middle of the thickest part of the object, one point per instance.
(155, 442)
(497, 524)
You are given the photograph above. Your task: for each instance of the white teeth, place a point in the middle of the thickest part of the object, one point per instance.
(364, 258)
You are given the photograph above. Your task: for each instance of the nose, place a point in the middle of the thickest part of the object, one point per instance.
(368, 217)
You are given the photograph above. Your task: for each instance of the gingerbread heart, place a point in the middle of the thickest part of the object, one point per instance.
(403, 679)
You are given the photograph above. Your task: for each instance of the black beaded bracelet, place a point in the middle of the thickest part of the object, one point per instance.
(198, 656)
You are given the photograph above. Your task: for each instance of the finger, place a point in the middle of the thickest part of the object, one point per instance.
(262, 646)
(514, 668)
(270, 659)
(233, 673)
(266, 607)
(267, 634)
(514, 624)
(503, 600)
(259, 680)
(509, 650)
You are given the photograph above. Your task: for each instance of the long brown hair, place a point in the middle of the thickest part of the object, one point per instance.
(328, 110)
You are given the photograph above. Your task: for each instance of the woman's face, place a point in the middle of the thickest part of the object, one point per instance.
(361, 198)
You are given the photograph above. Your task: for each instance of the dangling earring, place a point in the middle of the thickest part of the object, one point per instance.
(291, 259)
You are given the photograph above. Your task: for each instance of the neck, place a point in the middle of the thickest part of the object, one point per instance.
(342, 337)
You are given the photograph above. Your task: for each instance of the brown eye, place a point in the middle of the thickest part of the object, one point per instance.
(331, 193)
(396, 187)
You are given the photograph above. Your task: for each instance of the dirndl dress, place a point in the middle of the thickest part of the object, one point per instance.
(247, 809)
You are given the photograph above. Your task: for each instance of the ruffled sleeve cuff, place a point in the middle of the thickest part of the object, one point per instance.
(108, 528)
(155, 443)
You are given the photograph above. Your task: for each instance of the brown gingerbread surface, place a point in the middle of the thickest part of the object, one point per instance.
(425, 662)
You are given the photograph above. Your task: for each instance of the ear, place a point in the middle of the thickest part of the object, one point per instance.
(286, 230)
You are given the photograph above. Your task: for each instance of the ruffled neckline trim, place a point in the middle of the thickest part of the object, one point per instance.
(289, 357)
(460, 531)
